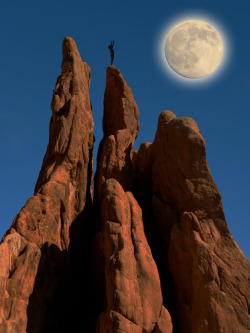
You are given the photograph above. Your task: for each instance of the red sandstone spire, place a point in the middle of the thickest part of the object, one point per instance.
(61, 192)
(155, 243)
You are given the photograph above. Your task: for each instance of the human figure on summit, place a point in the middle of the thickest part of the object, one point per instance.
(111, 49)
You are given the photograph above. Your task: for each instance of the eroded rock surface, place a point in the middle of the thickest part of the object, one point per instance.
(150, 253)
(133, 298)
(211, 275)
(133, 290)
(35, 253)
(120, 128)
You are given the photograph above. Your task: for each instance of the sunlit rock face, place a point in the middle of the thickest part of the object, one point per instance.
(38, 275)
(148, 252)
(210, 273)
(132, 295)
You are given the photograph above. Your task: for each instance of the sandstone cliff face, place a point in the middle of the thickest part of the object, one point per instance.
(149, 253)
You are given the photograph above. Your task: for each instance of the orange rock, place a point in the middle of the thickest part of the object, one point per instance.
(120, 127)
(158, 240)
(133, 290)
(120, 109)
(40, 233)
(211, 274)
(133, 298)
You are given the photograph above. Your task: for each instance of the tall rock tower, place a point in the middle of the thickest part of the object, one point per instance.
(147, 251)
(36, 264)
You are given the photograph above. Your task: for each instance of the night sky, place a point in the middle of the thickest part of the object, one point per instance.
(30, 59)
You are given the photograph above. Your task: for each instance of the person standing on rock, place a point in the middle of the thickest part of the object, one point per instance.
(111, 49)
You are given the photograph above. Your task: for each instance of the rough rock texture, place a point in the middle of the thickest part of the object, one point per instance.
(211, 275)
(133, 291)
(120, 127)
(133, 298)
(120, 109)
(35, 252)
(149, 253)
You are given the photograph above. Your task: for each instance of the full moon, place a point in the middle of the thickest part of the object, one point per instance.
(194, 49)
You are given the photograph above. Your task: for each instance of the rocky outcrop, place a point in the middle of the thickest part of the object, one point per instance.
(211, 275)
(120, 128)
(133, 298)
(35, 253)
(133, 290)
(210, 272)
(149, 252)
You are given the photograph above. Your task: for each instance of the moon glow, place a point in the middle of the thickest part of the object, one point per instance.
(194, 49)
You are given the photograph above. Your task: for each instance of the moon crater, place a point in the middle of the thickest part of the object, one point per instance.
(194, 49)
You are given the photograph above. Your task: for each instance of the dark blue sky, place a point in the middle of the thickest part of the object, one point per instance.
(30, 60)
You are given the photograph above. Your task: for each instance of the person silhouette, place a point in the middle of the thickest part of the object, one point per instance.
(111, 49)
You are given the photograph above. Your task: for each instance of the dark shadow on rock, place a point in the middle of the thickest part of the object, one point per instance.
(48, 302)
(62, 299)
(159, 248)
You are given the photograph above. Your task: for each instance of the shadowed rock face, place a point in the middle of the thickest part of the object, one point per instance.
(152, 254)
